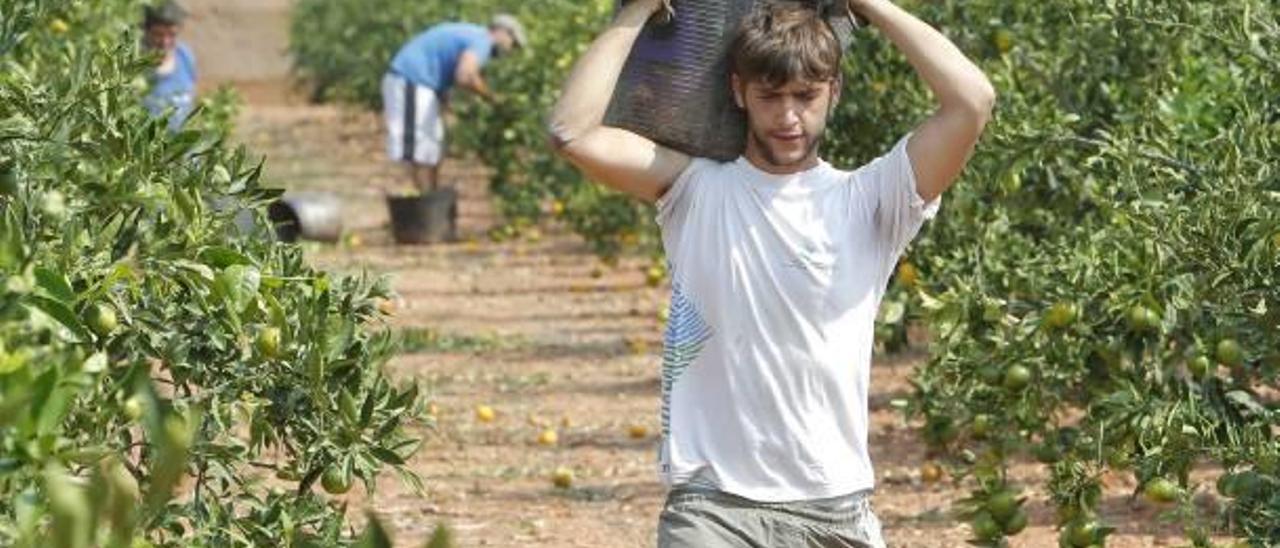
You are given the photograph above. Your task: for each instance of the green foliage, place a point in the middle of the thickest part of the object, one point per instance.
(1117, 225)
(139, 403)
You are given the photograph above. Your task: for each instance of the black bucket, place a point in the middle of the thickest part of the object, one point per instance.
(424, 219)
(675, 88)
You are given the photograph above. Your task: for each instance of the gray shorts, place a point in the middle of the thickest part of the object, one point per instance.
(696, 517)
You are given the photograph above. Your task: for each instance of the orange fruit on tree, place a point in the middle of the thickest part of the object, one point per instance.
(1003, 40)
(336, 479)
(1161, 491)
(654, 276)
(387, 307)
(1229, 353)
(908, 275)
(1016, 377)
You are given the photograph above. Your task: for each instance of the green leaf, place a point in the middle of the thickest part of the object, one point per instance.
(55, 405)
(441, 538)
(238, 285)
(892, 312)
(12, 249)
(375, 535)
(385, 455)
(73, 519)
(56, 285)
(405, 398)
(60, 313)
(96, 363)
(1246, 403)
(199, 269)
(366, 410)
(347, 405)
(222, 257)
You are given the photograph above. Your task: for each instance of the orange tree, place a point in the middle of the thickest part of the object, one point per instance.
(1101, 290)
(168, 375)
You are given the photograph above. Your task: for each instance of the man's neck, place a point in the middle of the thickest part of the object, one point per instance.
(761, 162)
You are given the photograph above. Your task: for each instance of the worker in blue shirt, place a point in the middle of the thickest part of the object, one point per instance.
(414, 91)
(173, 84)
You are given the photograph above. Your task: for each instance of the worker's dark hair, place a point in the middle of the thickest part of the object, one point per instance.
(167, 13)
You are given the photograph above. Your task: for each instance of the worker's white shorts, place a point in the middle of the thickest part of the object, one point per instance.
(415, 127)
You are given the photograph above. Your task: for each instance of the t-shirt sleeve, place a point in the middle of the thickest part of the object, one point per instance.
(675, 204)
(481, 46)
(887, 190)
(191, 65)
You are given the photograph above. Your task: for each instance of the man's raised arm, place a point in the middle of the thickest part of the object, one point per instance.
(941, 146)
(617, 158)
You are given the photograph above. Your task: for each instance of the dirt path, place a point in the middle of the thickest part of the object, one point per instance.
(527, 329)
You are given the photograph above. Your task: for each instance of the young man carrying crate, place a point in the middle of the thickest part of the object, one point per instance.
(779, 261)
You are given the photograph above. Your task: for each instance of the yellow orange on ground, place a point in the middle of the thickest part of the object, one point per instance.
(930, 472)
(562, 477)
(636, 346)
(485, 413)
(638, 431)
(548, 437)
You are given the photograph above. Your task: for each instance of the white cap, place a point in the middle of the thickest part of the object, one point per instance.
(509, 23)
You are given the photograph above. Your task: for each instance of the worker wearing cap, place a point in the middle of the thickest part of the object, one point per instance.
(173, 83)
(421, 75)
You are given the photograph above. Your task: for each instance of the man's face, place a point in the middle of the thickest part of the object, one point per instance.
(505, 42)
(785, 123)
(162, 36)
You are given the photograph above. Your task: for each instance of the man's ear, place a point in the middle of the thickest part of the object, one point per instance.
(738, 91)
(836, 86)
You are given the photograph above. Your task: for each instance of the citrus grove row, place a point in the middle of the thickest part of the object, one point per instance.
(168, 376)
(1103, 292)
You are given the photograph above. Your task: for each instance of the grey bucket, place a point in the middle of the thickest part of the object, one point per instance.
(307, 215)
(426, 218)
(675, 88)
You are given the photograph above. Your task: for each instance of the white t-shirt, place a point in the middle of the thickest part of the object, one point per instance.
(776, 283)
